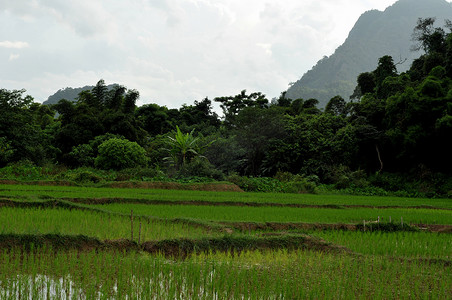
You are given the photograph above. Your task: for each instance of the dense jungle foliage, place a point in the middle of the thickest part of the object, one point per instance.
(395, 133)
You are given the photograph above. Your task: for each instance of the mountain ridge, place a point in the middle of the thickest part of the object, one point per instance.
(375, 34)
(70, 93)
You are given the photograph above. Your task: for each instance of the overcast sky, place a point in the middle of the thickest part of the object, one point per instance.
(171, 51)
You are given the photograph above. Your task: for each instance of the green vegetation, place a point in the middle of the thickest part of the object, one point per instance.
(142, 195)
(183, 147)
(93, 224)
(284, 214)
(54, 240)
(397, 244)
(279, 274)
(388, 141)
(120, 154)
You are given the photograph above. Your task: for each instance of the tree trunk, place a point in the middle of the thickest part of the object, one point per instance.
(379, 158)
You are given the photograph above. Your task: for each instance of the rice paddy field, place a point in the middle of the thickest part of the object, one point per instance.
(68, 242)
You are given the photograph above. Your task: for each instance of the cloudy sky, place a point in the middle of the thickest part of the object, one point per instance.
(171, 51)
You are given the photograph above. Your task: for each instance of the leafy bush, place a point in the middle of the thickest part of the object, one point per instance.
(298, 184)
(119, 154)
(366, 191)
(342, 177)
(192, 179)
(201, 167)
(22, 170)
(439, 72)
(285, 176)
(86, 177)
(98, 140)
(226, 154)
(255, 184)
(139, 173)
(6, 151)
(156, 149)
(27, 170)
(421, 183)
(302, 186)
(388, 181)
(82, 155)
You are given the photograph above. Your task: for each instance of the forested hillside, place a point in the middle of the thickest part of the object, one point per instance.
(374, 35)
(70, 94)
(397, 131)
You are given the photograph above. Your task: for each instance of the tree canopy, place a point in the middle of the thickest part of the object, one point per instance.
(394, 123)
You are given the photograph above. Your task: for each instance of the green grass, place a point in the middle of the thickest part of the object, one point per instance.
(284, 214)
(35, 191)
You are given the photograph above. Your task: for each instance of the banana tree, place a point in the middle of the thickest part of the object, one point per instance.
(183, 147)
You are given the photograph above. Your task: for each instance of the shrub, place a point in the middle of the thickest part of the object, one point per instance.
(289, 183)
(98, 140)
(342, 177)
(139, 173)
(6, 151)
(284, 176)
(257, 184)
(388, 181)
(201, 167)
(420, 183)
(302, 186)
(298, 183)
(22, 170)
(86, 176)
(119, 154)
(82, 155)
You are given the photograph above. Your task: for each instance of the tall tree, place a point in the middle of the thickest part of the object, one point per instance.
(21, 133)
(427, 37)
(154, 118)
(232, 105)
(256, 129)
(100, 93)
(336, 106)
(385, 68)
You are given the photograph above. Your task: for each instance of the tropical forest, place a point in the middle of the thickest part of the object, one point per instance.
(391, 136)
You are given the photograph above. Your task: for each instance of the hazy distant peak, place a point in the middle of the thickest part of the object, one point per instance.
(375, 34)
(70, 93)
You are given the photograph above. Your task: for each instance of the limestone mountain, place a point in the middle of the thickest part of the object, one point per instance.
(375, 34)
(70, 94)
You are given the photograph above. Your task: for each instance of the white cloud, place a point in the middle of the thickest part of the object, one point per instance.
(87, 18)
(267, 47)
(172, 51)
(13, 56)
(14, 45)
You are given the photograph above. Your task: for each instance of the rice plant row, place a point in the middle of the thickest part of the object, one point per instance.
(67, 192)
(423, 245)
(93, 224)
(46, 274)
(285, 214)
